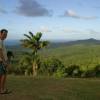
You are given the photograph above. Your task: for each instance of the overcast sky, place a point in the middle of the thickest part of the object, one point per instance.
(56, 19)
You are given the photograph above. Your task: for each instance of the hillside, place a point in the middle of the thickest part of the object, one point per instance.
(85, 53)
(90, 41)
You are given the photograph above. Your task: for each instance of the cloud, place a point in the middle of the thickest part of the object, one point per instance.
(87, 31)
(69, 30)
(32, 8)
(44, 29)
(91, 31)
(70, 13)
(73, 14)
(3, 11)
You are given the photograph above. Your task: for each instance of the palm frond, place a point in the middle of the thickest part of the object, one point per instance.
(27, 36)
(24, 42)
(33, 39)
(44, 43)
(31, 34)
(33, 42)
(38, 36)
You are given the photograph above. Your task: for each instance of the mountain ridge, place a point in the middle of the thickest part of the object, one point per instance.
(59, 43)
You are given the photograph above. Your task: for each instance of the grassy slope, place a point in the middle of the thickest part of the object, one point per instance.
(86, 56)
(27, 88)
(82, 55)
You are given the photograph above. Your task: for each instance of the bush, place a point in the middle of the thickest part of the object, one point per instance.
(73, 71)
(97, 70)
(60, 73)
(88, 73)
(51, 67)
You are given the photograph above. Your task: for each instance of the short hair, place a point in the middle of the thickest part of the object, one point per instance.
(4, 30)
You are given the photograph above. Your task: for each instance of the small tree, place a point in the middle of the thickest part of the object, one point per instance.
(34, 43)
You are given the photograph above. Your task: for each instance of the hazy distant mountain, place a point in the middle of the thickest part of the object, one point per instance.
(58, 43)
(90, 41)
(86, 41)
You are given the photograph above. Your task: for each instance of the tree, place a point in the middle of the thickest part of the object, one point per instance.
(34, 42)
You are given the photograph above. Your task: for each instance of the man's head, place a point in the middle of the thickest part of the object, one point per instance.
(3, 34)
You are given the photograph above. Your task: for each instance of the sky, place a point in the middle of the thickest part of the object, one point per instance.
(56, 19)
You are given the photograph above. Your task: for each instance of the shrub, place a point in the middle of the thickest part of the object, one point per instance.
(97, 70)
(88, 73)
(51, 67)
(73, 71)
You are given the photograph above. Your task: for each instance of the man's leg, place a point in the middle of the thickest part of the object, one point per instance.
(3, 81)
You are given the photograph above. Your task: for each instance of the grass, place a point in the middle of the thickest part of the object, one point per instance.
(27, 88)
(86, 56)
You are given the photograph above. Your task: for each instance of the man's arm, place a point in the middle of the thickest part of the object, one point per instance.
(1, 55)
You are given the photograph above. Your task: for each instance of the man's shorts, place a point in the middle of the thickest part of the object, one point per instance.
(2, 69)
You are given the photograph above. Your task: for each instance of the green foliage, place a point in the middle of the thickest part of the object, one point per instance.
(26, 62)
(34, 43)
(60, 73)
(86, 57)
(73, 71)
(97, 70)
(50, 67)
(88, 73)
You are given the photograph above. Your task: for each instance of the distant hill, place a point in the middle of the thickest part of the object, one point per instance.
(90, 41)
(87, 41)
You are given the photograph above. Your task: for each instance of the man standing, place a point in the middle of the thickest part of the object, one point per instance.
(3, 61)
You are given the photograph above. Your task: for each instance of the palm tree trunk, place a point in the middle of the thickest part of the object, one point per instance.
(34, 69)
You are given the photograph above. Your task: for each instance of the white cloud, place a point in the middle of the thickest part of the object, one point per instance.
(73, 14)
(92, 31)
(87, 31)
(44, 29)
(70, 13)
(69, 30)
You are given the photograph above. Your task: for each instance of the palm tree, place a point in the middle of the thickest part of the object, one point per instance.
(34, 43)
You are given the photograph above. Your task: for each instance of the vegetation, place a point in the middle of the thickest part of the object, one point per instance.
(84, 56)
(34, 43)
(63, 73)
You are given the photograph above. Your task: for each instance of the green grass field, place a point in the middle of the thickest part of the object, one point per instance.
(27, 88)
(86, 56)
(81, 54)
